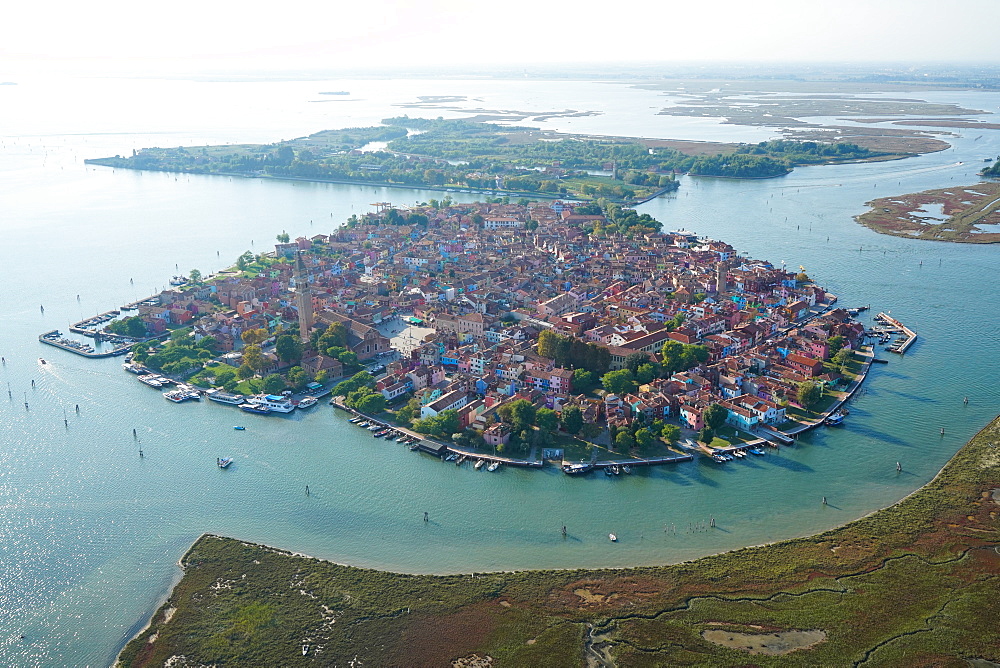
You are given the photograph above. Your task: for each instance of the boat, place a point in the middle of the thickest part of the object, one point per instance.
(255, 409)
(239, 428)
(134, 367)
(493, 466)
(756, 451)
(225, 397)
(834, 419)
(402, 439)
(479, 464)
(739, 453)
(151, 379)
(414, 446)
(608, 472)
(613, 537)
(177, 396)
(616, 470)
(41, 360)
(719, 458)
(178, 280)
(577, 469)
(308, 402)
(460, 460)
(627, 469)
(450, 458)
(275, 402)
(305, 650)
(223, 462)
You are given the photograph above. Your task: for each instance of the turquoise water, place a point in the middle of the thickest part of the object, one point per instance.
(90, 533)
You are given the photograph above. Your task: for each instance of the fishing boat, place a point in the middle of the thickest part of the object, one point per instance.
(613, 537)
(479, 464)
(493, 466)
(223, 462)
(239, 428)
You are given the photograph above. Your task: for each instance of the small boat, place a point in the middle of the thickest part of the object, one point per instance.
(616, 470)
(627, 469)
(223, 462)
(414, 446)
(756, 451)
(834, 419)
(613, 537)
(719, 458)
(305, 650)
(460, 460)
(42, 361)
(450, 458)
(307, 402)
(739, 453)
(402, 439)
(608, 472)
(254, 408)
(239, 428)
(479, 464)
(493, 466)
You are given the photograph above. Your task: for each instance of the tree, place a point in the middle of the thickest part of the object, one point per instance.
(645, 373)
(572, 419)
(670, 433)
(253, 337)
(706, 435)
(715, 416)
(635, 360)
(224, 375)
(404, 416)
(624, 441)
(809, 394)
(547, 420)
(371, 403)
(245, 371)
(195, 276)
(843, 357)
(519, 414)
(834, 344)
(334, 335)
(583, 381)
(273, 384)
(288, 348)
(283, 237)
(254, 358)
(643, 437)
(618, 382)
(298, 377)
(590, 431)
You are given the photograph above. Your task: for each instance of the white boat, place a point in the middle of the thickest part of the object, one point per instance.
(305, 650)
(613, 537)
(306, 402)
(223, 462)
(493, 466)
(479, 464)
(274, 402)
(151, 379)
(225, 397)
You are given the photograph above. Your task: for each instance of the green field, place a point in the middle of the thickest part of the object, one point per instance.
(915, 584)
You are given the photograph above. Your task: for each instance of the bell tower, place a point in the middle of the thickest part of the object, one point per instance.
(303, 298)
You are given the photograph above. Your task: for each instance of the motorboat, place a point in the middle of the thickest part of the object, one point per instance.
(613, 537)
(493, 466)
(239, 428)
(223, 462)
(479, 464)
(255, 409)
(275, 402)
(307, 402)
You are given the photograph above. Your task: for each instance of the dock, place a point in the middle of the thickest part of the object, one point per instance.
(890, 324)
(56, 339)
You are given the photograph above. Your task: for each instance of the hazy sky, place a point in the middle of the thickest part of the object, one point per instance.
(208, 34)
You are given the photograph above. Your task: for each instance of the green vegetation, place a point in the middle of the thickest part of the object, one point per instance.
(486, 156)
(914, 584)
(179, 355)
(993, 171)
(132, 326)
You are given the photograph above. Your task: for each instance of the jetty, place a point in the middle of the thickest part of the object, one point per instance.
(891, 325)
(55, 338)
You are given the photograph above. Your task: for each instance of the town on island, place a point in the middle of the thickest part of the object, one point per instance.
(513, 334)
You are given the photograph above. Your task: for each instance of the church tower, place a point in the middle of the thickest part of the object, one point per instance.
(721, 276)
(303, 299)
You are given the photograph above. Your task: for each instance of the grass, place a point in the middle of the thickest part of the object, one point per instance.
(914, 584)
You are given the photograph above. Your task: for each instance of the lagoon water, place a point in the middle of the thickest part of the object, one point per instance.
(90, 533)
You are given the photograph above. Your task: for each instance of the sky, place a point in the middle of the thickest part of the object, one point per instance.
(192, 35)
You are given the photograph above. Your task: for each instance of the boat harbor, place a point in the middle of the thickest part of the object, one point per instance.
(889, 327)
(55, 338)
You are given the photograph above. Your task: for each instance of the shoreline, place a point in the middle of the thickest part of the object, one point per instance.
(164, 606)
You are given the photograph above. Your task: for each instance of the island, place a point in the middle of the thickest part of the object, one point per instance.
(518, 161)
(914, 584)
(961, 214)
(517, 335)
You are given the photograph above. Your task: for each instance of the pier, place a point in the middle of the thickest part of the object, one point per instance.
(892, 325)
(55, 338)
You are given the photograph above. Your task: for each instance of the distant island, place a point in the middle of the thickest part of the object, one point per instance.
(503, 160)
(961, 214)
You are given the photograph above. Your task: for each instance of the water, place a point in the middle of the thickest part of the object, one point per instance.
(90, 533)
